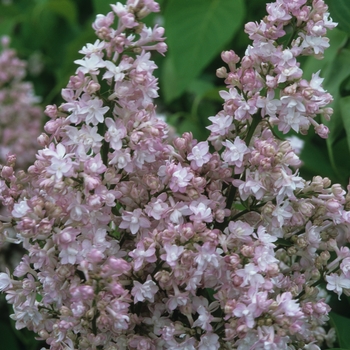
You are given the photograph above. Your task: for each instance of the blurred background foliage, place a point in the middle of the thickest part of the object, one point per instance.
(49, 34)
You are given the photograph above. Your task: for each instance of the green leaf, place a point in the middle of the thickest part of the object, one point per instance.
(344, 103)
(103, 6)
(189, 124)
(65, 9)
(8, 339)
(170, 83)
(6, 26)
(341, 325)
(335, 74)
(197, 31)
(340, 12)
(238, 206)
(200, 87)
(316, 161)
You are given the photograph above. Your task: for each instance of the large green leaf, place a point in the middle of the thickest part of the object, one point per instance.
(6, 26)
(65, 9)
(8, 339)
(197, 31)
(341, 325)
(344, 103)
(102, 6)
(336, 73)
(340, 12)
(315, 161)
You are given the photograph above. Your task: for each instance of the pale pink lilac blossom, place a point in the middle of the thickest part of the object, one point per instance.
(20, 113)
(137, 241)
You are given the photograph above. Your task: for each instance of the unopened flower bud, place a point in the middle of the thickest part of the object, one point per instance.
(246, 62)
(230, 56)
(326, 113)
(220, 215)
(268, 209)
(292, 251)
(333, 205)
(65, 311)
(193, 193)
(306, 208)
(237, 280)
(51, 111)
(302, 242)
(315, 273)
(199, 182)
(325, 255)
(186, 309)
(93, 87)
(43, 140)
(318, 183)
(163, 277)
(90, 314)
(187, 233)
(290, 90)
(63, 271)
(322, 131)
(247, 251)
(221, 73)
(6, 172)
(337, 190)
(51, 126)
(273, 270)
(43, 334)
(271, 82)
(317, 17)
(180, 143)
(232, 259)
(230, 306)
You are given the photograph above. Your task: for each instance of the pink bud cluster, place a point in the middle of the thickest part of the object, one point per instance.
(136, 243)
(20, 115)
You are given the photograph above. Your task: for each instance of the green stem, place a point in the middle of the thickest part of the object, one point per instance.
(255, 122)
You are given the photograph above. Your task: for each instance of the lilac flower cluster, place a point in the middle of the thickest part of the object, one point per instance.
(20, 115)
(136, 243)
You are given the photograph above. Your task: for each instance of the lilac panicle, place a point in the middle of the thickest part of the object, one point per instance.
(19, 110)
(138, 242)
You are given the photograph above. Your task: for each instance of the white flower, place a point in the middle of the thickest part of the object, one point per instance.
(172, 255)
(317, 44)
(20, 209)
(209, 341)
(90, 64)
(94, 111)
(144, 291)
(95, 48)
(234, 152)
(199, 154)
(5, 281)
(114, 71)
(337, 283)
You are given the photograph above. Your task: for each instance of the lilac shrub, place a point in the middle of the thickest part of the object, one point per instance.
(20, 124)
(136, 242)
(20, 114)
